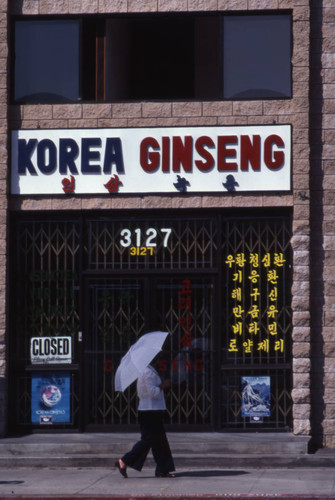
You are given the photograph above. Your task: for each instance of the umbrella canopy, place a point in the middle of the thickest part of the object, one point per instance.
(138, 357)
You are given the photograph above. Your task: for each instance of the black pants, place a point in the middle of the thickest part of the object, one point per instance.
(152, 436)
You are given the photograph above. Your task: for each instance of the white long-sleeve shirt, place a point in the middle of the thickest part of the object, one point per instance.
(151, 396)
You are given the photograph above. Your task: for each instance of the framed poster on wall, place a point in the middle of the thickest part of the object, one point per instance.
(50, 398)
(256, 402)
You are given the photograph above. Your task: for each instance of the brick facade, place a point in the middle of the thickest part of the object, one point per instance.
(313, 178)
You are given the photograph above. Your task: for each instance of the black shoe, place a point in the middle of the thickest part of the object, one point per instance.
(122, 470)
(164, 474)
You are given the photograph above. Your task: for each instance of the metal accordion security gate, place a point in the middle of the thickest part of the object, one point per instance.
(257, 322)
(182, 306)
(218, 283)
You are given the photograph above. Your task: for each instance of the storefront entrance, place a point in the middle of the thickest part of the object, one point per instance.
(219, 284)
(120, 310)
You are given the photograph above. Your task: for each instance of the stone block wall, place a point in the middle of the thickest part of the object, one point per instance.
(322, 120)
(294, 111)
(3, 211)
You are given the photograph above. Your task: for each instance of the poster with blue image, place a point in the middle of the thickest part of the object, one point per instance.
(256, 397)
(50, 398)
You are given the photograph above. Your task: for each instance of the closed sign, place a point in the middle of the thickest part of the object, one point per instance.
(50, 350)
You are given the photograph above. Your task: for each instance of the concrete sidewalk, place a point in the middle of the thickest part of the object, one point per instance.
(203, 482)
(100, 450)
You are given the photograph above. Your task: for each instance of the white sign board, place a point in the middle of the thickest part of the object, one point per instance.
(50, 350)
(151, 160)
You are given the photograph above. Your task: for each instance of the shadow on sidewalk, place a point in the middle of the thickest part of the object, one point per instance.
(211, 473)
(11, 482)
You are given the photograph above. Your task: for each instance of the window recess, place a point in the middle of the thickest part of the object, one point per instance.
(153, 57)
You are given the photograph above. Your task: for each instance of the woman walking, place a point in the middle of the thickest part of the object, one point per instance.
(151, 410)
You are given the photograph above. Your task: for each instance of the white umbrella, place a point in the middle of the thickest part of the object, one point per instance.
(135, 361)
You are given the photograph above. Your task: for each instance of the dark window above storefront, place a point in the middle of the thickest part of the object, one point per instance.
(47, 61)
(256, 55)
(152, 57)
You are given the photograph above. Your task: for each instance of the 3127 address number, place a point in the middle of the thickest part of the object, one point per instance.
(143, 242)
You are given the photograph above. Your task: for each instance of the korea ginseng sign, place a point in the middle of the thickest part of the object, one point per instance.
(151, 160)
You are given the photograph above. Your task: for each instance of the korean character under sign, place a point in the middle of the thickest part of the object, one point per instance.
(272, 327)
(254, 259)
(263, 346)
(278, 259)
(240, 259)
(186, 288)
(230, 260)
(254, 276)
(279, 345)
(248, 346)
(273, 295)
(238, 311)
(238, 276)
(255, 293)
(253, 327)
(233, 346)
(185, 302)
(237, 328)
(186, 340)
(186, 321)
(254, 311)
(266, 260)
(113, 184)
(273, 276)
(237, 294)
(272, 311)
